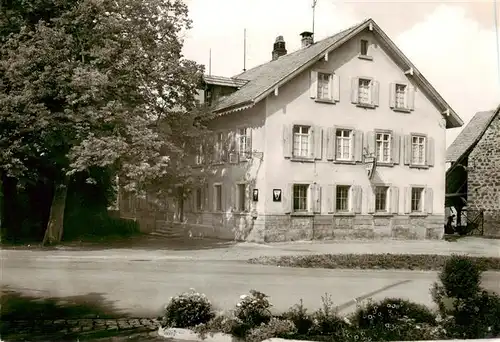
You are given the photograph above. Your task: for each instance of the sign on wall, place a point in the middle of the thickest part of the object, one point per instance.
(255, 195)
(371, 164)
(276, 195)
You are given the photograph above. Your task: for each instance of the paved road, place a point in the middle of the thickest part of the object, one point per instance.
(141, 282)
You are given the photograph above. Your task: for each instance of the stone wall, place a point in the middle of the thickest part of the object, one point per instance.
(484, 179)
(280, 228)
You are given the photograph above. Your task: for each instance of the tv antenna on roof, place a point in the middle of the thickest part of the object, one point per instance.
(210, 62)
(244, 50)
(314, 13)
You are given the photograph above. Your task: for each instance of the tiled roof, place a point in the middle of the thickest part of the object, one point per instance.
(469, 135)
(266, 75)
(224, 81)
(264, 78)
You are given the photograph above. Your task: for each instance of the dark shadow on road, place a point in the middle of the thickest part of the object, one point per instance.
(18, 306)
(28, 317)
(140, 242)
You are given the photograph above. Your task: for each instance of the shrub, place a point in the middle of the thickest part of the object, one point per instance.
(469, 311)
(371, 261)
(300, 318)
(326, 320)
(476, 317)
(281, 328)
(188, 310)
(403, 329)
(254, 310)
(220, 323)
(461, 277)
(390, 311)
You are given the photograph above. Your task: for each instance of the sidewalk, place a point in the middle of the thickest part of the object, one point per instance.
(197, 249)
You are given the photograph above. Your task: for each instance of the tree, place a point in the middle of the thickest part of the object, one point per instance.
(86, 84)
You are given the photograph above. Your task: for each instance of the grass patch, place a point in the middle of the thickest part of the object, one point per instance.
(386, 261)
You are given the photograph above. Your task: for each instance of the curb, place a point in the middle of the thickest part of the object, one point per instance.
(189, 335)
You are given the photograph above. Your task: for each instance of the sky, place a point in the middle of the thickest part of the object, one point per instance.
(452, 43)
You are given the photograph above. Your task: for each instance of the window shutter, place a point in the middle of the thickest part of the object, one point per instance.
(194, 198)
(215, 149)
(287, 198)
(428, 201)
(226, 145)
(287, 141)
(430, 151)
(225, 196)
(370, 142)
(214, 198)
(330, 143)
(316, 198)
(407, 200)
(411, 97)
(330, 198)
(396, 143)
(206, 197)
(249, 143)
(370, 195)
(375, 89)
(318, 142)
(335, 88)
(357, 199)
(354, 89)
(394, 200)
(313, 88)
(248, 197)
(392, 95)
(407, 147)
(235, 199)
(358, 145)
(232, 151)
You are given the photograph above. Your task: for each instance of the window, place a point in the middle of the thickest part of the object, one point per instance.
(241, 197)
(364, 47)
(342, 198)
(199, 200)
(401, 90)
(418, 150)
(199, 155)
(364, 91)
(381, 198)
(344, 144)
(417, 199)
(243, 140)
(301, 141)
(219, 146)
(218, 197)
(383, 147)
(324, 86)
(300, 194)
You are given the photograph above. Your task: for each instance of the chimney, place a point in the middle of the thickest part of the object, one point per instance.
(279, 48)
(307, 39)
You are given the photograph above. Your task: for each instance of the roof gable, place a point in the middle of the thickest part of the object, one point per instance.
(224, 81)
(264, 78)
(470, 135)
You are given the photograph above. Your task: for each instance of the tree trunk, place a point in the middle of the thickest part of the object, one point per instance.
(180, 196)
(9, 217)
(54, 231)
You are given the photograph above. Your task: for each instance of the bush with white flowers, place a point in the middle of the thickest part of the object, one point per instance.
(254, 309)
(187, 310)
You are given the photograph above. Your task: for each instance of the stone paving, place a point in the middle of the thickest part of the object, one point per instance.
(77, 327)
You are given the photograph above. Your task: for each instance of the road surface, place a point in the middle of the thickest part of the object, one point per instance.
(142, 283)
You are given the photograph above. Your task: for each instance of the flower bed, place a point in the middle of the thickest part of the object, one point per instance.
(465, 311)
(373, 261)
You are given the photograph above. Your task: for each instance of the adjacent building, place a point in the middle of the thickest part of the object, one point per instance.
(343, 138)
(473, 180)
